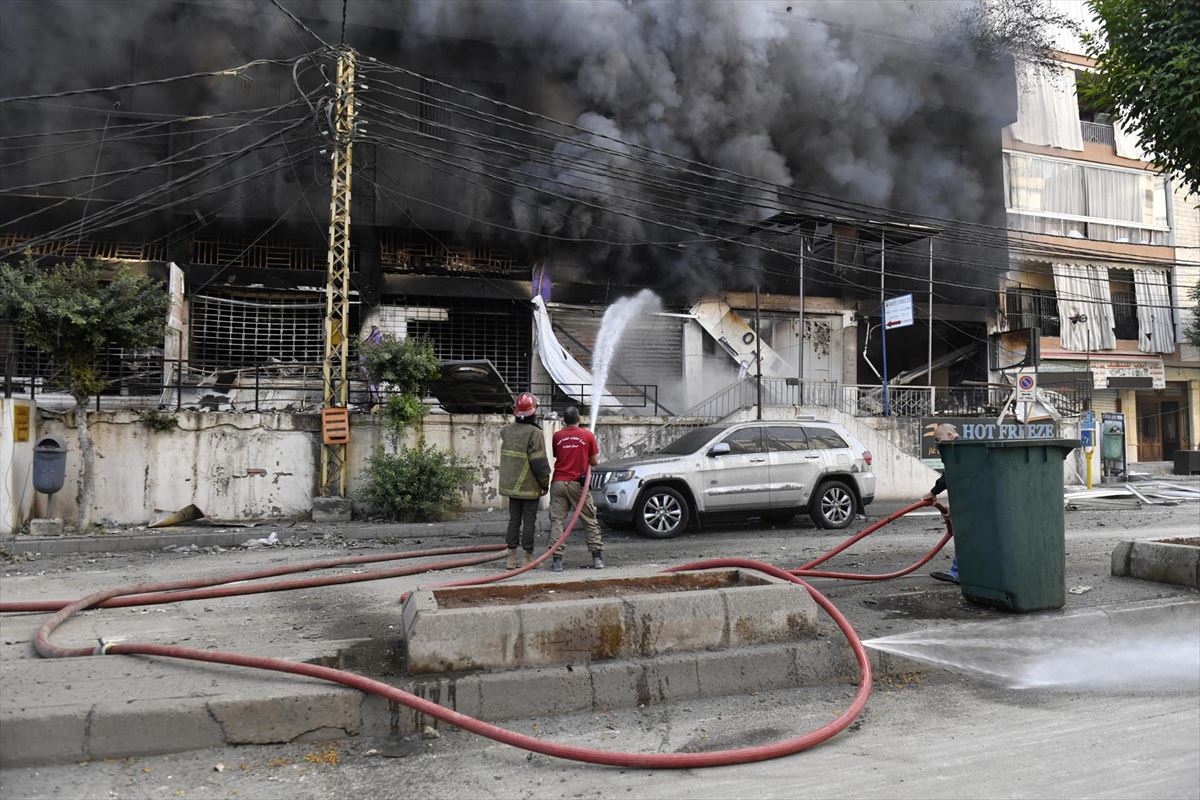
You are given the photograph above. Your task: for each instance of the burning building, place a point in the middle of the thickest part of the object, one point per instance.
(509, 151)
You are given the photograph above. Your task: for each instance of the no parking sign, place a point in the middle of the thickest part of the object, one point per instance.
(1026, 387)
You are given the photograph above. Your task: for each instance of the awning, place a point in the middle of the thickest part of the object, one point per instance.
(572, 378)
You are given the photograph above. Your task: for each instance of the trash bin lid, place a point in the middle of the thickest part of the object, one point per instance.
(1069, 444)
(50, 444)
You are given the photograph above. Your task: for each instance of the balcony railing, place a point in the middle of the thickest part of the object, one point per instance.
(1098, 133)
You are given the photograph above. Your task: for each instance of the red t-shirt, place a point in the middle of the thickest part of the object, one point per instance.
(573, 451)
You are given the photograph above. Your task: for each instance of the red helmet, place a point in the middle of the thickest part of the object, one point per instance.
(525, 406)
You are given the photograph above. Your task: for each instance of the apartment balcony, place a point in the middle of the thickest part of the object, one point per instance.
(1098, 133)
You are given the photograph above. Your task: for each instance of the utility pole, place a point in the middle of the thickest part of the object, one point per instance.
(800, 373)
(883, 317)
(757, 354)
(335, 419)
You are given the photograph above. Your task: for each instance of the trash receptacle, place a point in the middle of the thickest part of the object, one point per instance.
(49, 464)
(1007, 507)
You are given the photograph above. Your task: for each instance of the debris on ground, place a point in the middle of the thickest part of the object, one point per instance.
(1126, 495)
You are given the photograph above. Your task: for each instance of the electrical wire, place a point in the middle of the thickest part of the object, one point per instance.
(906, 218)
(745, 242)
(229, 72)
(107, 215)
(988, 270)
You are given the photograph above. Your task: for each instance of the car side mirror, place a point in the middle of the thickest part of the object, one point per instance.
(719, 449)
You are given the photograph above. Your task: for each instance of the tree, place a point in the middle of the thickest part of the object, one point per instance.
(71, 312)
(1023, 29)
(413, 483)
(1192, 332)
(1148, 68)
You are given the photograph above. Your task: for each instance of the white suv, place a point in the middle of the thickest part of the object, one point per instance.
(765, 469)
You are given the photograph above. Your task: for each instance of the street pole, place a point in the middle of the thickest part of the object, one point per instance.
(929, 358)
(757, 353)
(800, 373)
(334, 367)
(883, 318)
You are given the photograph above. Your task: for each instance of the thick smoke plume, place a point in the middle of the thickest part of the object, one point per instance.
(862, 101)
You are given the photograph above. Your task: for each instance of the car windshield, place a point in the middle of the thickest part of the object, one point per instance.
(690, 442)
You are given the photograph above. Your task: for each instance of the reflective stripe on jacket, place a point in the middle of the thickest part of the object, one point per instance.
(524, 468)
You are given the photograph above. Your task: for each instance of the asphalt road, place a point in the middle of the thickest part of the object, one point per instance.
(932, 734)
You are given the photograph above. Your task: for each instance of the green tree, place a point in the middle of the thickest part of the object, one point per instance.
(71, 312)
(1192, 331)
(1148, 68)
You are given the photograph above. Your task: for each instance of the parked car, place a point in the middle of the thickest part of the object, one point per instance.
(764, 469)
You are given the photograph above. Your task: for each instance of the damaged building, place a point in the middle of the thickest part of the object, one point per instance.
(470, 202)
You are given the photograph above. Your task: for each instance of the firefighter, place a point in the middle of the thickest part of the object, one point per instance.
(943, 433)
(524, 476)
(574, 449)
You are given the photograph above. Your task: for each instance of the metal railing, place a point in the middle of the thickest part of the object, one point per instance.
(1098, 133)
(625, 396)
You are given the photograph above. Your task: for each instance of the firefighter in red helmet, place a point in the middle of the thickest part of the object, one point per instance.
(524, 476)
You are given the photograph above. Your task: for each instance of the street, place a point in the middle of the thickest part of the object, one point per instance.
(931, 733)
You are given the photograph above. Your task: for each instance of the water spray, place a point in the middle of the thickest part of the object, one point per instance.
(612, 327)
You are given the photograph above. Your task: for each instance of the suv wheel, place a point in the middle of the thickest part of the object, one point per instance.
(661, 513)
(833, 505)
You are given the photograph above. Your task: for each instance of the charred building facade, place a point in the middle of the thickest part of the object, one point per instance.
(505, 152)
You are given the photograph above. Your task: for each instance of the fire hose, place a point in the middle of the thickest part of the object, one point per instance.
(196, 588)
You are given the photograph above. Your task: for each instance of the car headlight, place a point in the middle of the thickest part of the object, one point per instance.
(620, 476)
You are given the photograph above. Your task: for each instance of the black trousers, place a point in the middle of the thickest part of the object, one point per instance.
(521, 511)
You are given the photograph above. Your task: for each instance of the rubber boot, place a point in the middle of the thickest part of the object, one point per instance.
(556, 564)
(598, 560)
(511, 563)
(528, 558)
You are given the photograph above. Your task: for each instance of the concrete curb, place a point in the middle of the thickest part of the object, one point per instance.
(267, 708)
(1156, 560)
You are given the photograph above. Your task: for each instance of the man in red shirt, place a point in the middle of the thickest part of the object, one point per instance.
(574, 449)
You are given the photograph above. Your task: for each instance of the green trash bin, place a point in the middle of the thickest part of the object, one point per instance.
(1007, 507)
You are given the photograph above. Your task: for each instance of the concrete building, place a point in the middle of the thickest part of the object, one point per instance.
(1103, 250)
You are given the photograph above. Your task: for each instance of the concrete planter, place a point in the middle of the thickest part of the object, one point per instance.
(580, 621)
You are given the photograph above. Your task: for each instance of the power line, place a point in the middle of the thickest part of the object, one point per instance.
(1002, 237)
(988, 269)
(230, 72)
(708, 237)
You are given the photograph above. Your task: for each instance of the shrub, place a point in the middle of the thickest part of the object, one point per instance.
(416, 483)
(158, 421)
(402, 410)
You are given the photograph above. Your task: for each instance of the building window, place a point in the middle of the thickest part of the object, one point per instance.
(1032, 308)
(1085, 201)
(1124, 300)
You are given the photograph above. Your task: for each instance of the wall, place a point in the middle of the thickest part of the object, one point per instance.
(251, 466)
(16, 468)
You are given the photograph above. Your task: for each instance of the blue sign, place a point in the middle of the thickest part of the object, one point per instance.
(1087, 437)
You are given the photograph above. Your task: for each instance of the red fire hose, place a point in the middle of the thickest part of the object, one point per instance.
(195, 588)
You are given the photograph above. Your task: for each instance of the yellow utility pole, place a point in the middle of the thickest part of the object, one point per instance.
(335, 419)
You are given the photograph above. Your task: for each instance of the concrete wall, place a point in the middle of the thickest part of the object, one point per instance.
(247, 466)
(16, 467)
(250, 466)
